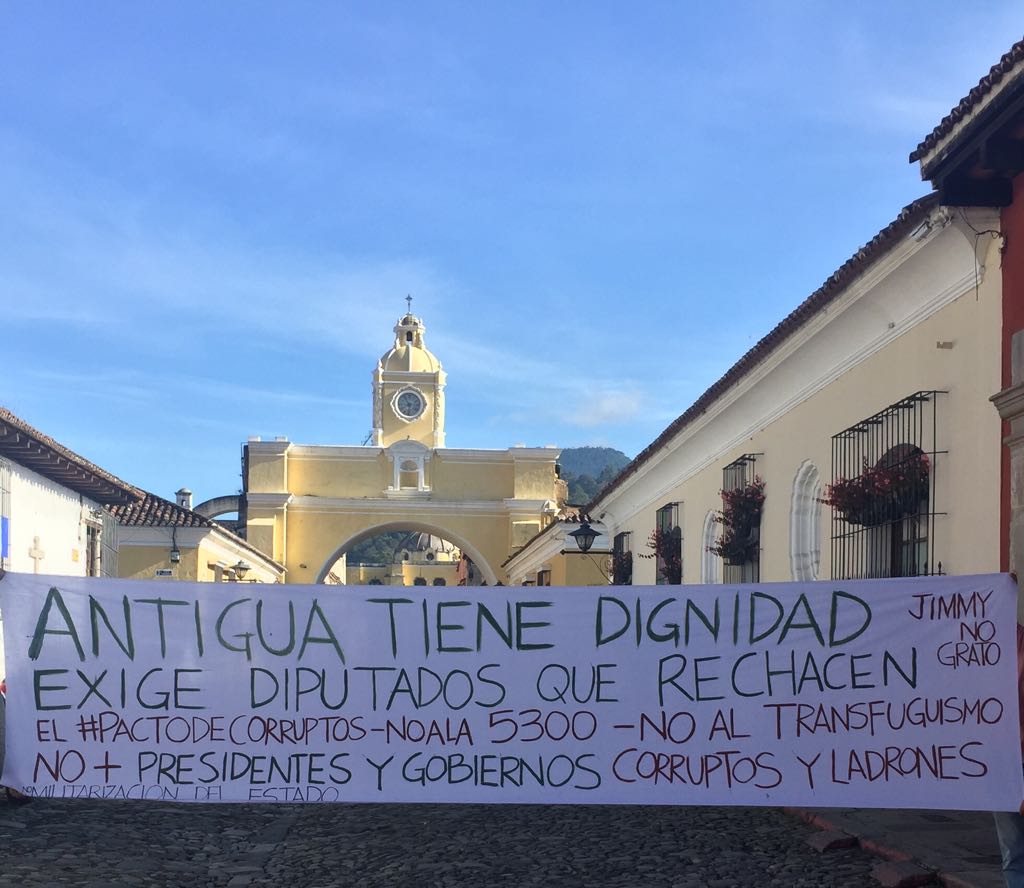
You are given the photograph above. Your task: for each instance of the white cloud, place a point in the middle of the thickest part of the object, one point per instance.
(133, 275)
(607, 408)
(143, 388)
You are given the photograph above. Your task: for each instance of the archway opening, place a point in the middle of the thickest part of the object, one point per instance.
(406, 554)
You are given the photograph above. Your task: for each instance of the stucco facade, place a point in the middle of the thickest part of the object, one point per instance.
(307, 505)
(164, 540)
(48, 526)
(553, 558)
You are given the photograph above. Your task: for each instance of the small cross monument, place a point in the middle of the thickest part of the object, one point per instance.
(35, 553)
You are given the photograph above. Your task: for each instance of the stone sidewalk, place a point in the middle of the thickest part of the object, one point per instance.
(955, 848)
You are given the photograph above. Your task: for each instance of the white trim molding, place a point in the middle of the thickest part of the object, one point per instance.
(805, 523)
(709, 561)
(408, 390)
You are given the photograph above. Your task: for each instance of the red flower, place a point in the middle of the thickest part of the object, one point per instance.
(740, 519)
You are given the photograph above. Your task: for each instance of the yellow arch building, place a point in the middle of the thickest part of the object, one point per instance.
(306, 505)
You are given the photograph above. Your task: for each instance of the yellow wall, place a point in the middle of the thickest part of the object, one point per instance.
(265, 531)
(400, 574)
(420, 429)
(470, 501)
(459, 481)
(534, 480)
(338, 477)
(315, 537)
(267, 470)
(579, 569)
(306, 504)
(140, 562)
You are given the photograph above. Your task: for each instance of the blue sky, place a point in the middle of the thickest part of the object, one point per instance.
(211, 213)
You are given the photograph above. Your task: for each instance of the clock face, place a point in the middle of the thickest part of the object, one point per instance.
(409, 404)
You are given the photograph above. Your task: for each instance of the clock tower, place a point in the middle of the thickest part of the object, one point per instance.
(408, 389)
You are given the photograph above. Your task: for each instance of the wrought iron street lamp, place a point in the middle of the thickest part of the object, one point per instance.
(584, 536)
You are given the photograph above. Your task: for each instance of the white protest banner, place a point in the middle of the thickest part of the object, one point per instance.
(881, 693)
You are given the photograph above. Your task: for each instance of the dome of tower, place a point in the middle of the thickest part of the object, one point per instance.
(426, 547)
(409, 353)
(417, 360)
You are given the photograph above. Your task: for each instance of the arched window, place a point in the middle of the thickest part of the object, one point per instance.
(420, 581)
(440, 581)
(805, 523)
(708, 560)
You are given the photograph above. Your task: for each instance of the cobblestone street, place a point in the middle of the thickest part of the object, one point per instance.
(105, 844)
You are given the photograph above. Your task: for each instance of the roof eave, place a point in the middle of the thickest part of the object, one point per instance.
(838, 283)
(39, 453)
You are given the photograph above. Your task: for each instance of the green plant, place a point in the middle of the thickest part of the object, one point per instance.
(741, 522)
(881, 493)
(666, 546)
(622, 568)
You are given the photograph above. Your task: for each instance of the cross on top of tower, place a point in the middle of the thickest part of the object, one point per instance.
(408, 303)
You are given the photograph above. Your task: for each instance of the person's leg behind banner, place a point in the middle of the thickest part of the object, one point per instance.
(1010, 829)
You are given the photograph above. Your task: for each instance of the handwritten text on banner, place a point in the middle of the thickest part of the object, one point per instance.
(870, 694)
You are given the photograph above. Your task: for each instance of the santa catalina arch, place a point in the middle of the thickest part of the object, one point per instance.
(306, 505)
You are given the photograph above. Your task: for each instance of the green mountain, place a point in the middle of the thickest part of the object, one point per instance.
(378, 549)
(587, 469)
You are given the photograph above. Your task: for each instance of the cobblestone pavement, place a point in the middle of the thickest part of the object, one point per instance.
(105, 844)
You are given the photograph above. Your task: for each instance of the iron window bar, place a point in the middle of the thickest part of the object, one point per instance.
(666, 523)
(735, 476)
(622, 559)
(893, 460)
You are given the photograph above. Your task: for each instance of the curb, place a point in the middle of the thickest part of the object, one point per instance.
(901, 871)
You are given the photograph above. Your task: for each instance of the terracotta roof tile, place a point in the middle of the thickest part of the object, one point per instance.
(154, 511)
(908, 219)
(968, 103)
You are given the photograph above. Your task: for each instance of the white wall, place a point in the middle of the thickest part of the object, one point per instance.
(42, 508)
(53, 513)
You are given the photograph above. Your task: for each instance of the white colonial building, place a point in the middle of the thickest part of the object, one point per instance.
(52, 515)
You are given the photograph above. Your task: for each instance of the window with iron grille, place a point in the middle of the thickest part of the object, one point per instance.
(884, 492)
(743, 564)
(668, 546)
(622, 560)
